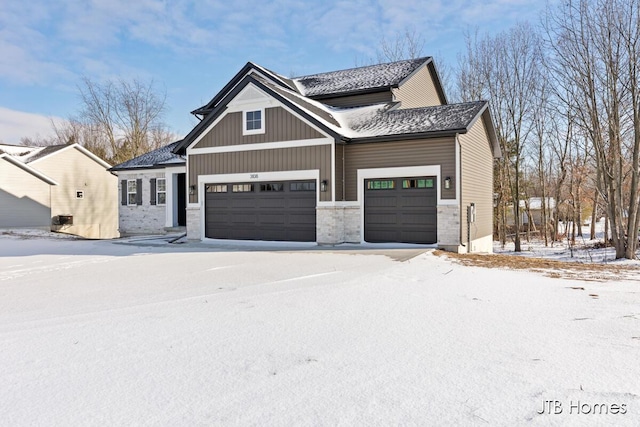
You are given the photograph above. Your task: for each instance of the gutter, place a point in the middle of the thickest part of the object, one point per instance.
(459, 184)
(405, 136)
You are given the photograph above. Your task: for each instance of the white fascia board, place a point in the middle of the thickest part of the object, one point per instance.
(28, 169)
(175, 169)
(129, 173)
(261, 146)
(82, 150)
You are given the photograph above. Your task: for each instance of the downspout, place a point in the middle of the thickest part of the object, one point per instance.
(459, 188)
(343, 176)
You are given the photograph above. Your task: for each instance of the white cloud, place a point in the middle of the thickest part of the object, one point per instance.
(17, 124)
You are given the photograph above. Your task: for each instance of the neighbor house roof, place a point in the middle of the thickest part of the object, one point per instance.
(21, 152)
(43, 152)
(159, 158)
(31, 154)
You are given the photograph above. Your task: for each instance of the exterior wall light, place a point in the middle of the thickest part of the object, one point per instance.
(323, 185)
(192, 190)
(447, 182)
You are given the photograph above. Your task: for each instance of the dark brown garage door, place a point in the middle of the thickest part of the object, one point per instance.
(261, 211)
(400, 210)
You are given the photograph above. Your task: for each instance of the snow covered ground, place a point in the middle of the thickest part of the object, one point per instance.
(106, 333)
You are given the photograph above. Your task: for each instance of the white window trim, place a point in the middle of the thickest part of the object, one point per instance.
(261, 130)
(158, 191)
(135, 193)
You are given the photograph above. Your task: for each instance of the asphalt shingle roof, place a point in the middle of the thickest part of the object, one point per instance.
(357, 79)
(44, 152)
(439, 118)
(162, 156)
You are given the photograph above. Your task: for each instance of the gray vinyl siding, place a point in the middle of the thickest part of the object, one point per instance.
(419, 152)
(418, 91)
(280, 125)
(357, 100)
(476, 161)
(282, 159)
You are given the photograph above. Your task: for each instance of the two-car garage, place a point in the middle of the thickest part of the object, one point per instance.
(395, 210)
(282, 210)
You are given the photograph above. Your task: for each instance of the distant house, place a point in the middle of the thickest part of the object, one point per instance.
(152, 192)
(368, 154)
(64, 188)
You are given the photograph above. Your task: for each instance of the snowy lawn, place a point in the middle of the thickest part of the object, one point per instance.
(102, 333)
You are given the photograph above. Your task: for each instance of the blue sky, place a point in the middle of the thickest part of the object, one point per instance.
(192, 48)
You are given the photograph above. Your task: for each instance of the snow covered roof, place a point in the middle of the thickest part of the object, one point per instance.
(351, 124)
(20, 152)
(26, 154)
(389, 121)
(43, 151)
(359, 79)
(536, 203)
(160, 157)
(385, 119)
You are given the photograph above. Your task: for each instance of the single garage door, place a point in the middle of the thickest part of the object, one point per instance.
(400, 210)
(261, 211)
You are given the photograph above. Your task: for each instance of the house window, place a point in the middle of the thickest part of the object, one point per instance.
(132, 191)
(253, 122)
(381, 184)
(161, 191)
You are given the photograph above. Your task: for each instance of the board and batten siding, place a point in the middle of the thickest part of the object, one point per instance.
(24, 198)
(358, 100)
(476, 163)
(275, 160)
(418, 91)
(418, 152)
(280, 125)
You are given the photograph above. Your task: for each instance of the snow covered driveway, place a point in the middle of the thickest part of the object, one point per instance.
(99, 333)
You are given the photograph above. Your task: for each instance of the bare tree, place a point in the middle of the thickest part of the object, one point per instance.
(596, 47)
(407, 44)
(123, 116)
(506, 69)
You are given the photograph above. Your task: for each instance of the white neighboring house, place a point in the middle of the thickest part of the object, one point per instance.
(63, 188)
(152, 192)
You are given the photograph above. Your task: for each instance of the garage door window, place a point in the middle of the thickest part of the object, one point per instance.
(381, 184)
(242, 188)
(417, 183)
(218, 188)
(302, 186)
(272, 187)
